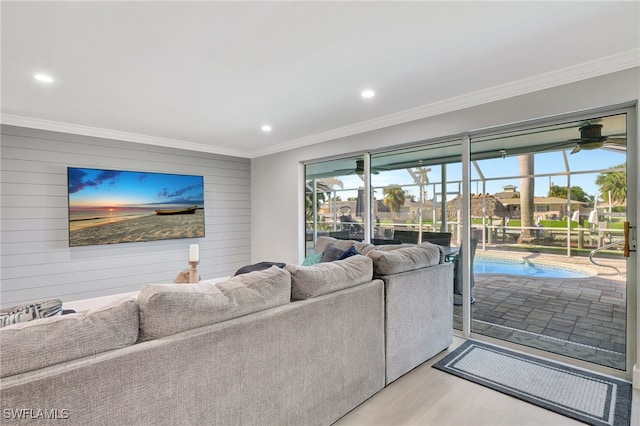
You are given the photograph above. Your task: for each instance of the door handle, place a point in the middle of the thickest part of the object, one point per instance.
(627, 239)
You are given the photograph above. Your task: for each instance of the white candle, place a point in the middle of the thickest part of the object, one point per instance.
(193, 253)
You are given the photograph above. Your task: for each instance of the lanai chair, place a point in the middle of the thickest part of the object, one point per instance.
(440, 238)
(384, 241)
(340, 235)
(407, 237)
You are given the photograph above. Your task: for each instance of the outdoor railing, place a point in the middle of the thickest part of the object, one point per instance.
(578, 238)
(594, 252)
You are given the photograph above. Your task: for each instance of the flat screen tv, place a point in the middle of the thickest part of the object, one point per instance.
(116, 206)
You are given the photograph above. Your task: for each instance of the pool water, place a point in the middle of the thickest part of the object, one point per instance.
(527, 269)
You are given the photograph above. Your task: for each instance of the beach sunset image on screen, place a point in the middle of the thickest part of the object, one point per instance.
(114, 206)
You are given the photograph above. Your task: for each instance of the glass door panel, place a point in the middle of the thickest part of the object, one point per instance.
(411, 190)
(334, 201)
(417, 197)
(545, 198)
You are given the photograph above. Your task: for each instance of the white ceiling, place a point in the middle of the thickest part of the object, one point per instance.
(207, 75)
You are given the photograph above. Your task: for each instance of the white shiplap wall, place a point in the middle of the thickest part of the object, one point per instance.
(36, 260)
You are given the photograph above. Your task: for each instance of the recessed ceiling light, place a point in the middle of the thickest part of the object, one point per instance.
(45, 78)
(266, 128)
(368, 93)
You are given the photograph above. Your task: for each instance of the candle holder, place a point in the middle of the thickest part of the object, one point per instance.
(194, 277)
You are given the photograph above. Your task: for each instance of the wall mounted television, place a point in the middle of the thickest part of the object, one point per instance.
(116, 206)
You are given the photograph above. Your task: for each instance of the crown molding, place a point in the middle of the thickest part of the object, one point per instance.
(602, 66)
(57, 126)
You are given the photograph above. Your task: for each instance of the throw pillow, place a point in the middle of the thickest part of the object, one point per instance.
(37, 310)
(261, 266)
(331, 253)
(312, 259)
(351, 252)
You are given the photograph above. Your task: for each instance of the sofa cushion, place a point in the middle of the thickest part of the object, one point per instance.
(167, 309)
(399, 259)
(39, 343)
(327, 277)
(362, 248)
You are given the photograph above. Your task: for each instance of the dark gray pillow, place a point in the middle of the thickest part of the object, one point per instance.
(331, 253)
(260, 266)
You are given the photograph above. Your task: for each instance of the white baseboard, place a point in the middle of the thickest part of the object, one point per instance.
(636, 376)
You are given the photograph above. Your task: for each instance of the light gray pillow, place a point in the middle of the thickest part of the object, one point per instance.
(327, 277)
(167, 309)
(39, 343)
(402, 259)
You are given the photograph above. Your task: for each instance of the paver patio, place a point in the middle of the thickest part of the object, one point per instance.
(583, 318)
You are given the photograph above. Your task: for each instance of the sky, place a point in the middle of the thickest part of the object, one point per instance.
(500, 172)
(93, 188)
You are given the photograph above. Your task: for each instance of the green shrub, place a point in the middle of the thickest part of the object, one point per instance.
(558, 224)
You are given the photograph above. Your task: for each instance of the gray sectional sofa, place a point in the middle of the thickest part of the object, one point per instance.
(418, 301)
(292, 346)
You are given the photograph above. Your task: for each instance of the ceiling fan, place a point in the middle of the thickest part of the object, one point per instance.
(359, 170)
(591, 138)
(348, 169)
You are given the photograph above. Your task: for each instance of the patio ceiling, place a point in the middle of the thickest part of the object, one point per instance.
(559, 138)
(556, 137)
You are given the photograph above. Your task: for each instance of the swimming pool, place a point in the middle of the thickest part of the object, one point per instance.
(527, 268)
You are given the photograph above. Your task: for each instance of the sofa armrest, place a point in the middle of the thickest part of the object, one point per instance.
(419, 317)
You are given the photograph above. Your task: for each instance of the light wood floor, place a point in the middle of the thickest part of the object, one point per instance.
(426, 396)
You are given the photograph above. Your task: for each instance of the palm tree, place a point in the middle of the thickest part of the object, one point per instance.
(527, 186)
(420, 175)
(309, 209)
(324, 189)
(394, 197)
(616, 182)
(421, 178)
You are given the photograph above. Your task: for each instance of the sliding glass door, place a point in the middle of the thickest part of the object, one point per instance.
(547, 199)
(532, 217)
